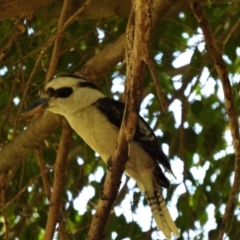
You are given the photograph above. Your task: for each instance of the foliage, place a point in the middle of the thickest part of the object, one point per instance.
(195, 129)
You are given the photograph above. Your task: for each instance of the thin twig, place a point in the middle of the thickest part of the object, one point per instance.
(156, 81)
(21, 191)
(62, 231)
(43, 172)
(230, 33)
(229, 105)
(20, 28)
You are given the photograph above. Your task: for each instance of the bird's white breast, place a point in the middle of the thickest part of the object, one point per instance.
(93, 127)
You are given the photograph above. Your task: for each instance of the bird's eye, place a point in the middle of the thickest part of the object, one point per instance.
(50, 92)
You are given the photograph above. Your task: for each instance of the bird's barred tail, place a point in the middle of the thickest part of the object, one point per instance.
(161, 214)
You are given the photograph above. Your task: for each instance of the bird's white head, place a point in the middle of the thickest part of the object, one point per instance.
(65, 95)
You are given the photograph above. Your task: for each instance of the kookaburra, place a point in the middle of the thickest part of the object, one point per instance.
(97, 120)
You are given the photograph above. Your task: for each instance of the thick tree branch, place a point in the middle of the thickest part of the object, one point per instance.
(36, 131)
(104, 61)
(59, 180)
(15, 7)
(139, 42)
(98, 9)
(229, 104)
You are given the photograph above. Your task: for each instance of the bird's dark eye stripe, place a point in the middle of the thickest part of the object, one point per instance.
(87, 84)
(63, 92)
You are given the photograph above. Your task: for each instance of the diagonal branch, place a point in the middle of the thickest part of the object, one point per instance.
(139, 42)
(35, 133)
(19, 28)
(229, 104)
(154, 74)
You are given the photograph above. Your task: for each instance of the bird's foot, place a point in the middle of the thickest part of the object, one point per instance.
(109, 164)
(103, 196)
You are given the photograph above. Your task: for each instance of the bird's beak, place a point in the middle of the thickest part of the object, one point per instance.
(36, 107)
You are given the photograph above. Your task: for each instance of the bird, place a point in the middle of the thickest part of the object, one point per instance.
(97, 119)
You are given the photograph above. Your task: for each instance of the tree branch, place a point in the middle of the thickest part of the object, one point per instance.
(139, 42)
(59, 180)
(32, 137)
(19, 29)
(105, 60)
(229, 103)
(15, 7)
(44, 171)
(98, 9)
(108, 8)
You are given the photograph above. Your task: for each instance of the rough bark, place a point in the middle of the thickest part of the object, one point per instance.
(97, 10)
(140, 28)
